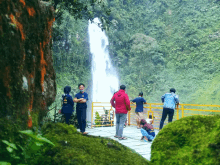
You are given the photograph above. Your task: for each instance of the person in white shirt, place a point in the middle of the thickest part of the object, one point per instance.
(150, 120)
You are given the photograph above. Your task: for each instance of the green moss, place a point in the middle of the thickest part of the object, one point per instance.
(72, 147)
(190, 140)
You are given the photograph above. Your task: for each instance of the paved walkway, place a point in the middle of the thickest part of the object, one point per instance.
(131, 132)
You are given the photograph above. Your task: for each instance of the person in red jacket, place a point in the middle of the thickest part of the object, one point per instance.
(120, 101)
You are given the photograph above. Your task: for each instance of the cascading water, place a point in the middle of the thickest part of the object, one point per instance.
(104, 77)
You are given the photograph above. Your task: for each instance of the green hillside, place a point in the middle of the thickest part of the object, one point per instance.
(161, 44)
(155, 45)
(208, 94)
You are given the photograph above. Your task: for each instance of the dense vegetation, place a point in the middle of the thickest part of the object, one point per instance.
(70, 53)
(155, 45)
(161, 44)
(190, 140)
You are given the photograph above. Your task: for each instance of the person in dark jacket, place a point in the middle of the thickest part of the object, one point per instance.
(120, 101)
(147, 131)
(67, 108)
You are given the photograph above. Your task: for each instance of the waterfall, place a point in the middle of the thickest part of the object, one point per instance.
(104, 77)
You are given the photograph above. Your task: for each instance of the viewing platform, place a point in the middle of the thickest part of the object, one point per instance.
(133, 140)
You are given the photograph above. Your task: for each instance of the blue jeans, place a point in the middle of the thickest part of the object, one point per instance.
(81, 116)
(120, 121)
(170, 113)
(144, 133)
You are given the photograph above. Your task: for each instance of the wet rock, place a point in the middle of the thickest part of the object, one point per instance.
(110, 145)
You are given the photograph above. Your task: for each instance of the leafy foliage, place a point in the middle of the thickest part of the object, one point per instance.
(25, 154)
(161, 44)
(70, 54)
(82, 9)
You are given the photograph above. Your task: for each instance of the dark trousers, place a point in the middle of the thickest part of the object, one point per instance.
(67, 117)
(81, 116)
(170, 113)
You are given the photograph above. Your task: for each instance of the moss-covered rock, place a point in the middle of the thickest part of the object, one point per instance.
(190, 140)
(72, 147)
(27, 77)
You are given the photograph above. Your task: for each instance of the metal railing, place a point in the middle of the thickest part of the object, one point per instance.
(155, 109)
(106, 114)
(55, 112)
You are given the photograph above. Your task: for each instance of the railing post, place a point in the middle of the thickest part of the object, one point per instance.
(182, 108)
(92, 116)
(148, 112)
(110, 116)
(177, 112)
(129, 118)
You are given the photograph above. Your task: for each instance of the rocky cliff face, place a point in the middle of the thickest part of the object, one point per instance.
(27, 77)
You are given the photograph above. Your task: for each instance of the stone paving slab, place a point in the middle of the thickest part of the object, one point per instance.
(133, 138)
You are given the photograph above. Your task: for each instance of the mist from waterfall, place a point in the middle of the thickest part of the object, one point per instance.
(104, 77)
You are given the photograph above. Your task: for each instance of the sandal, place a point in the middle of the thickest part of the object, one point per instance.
(85, 133)
(116, 136)
(122, 138)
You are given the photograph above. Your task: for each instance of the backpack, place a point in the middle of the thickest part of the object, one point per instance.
(64, 102)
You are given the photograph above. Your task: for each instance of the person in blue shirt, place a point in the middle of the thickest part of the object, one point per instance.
(170, 100)
(139, 108)
(81, 98)
(67, 108)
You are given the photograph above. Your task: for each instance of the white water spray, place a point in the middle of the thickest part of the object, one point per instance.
(104, 77)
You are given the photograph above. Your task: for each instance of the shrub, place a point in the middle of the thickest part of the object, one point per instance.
(97, 118)
(25, 154)
(190, 140)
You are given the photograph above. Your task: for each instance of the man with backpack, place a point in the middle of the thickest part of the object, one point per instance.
(67, 108)
(170, 100)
